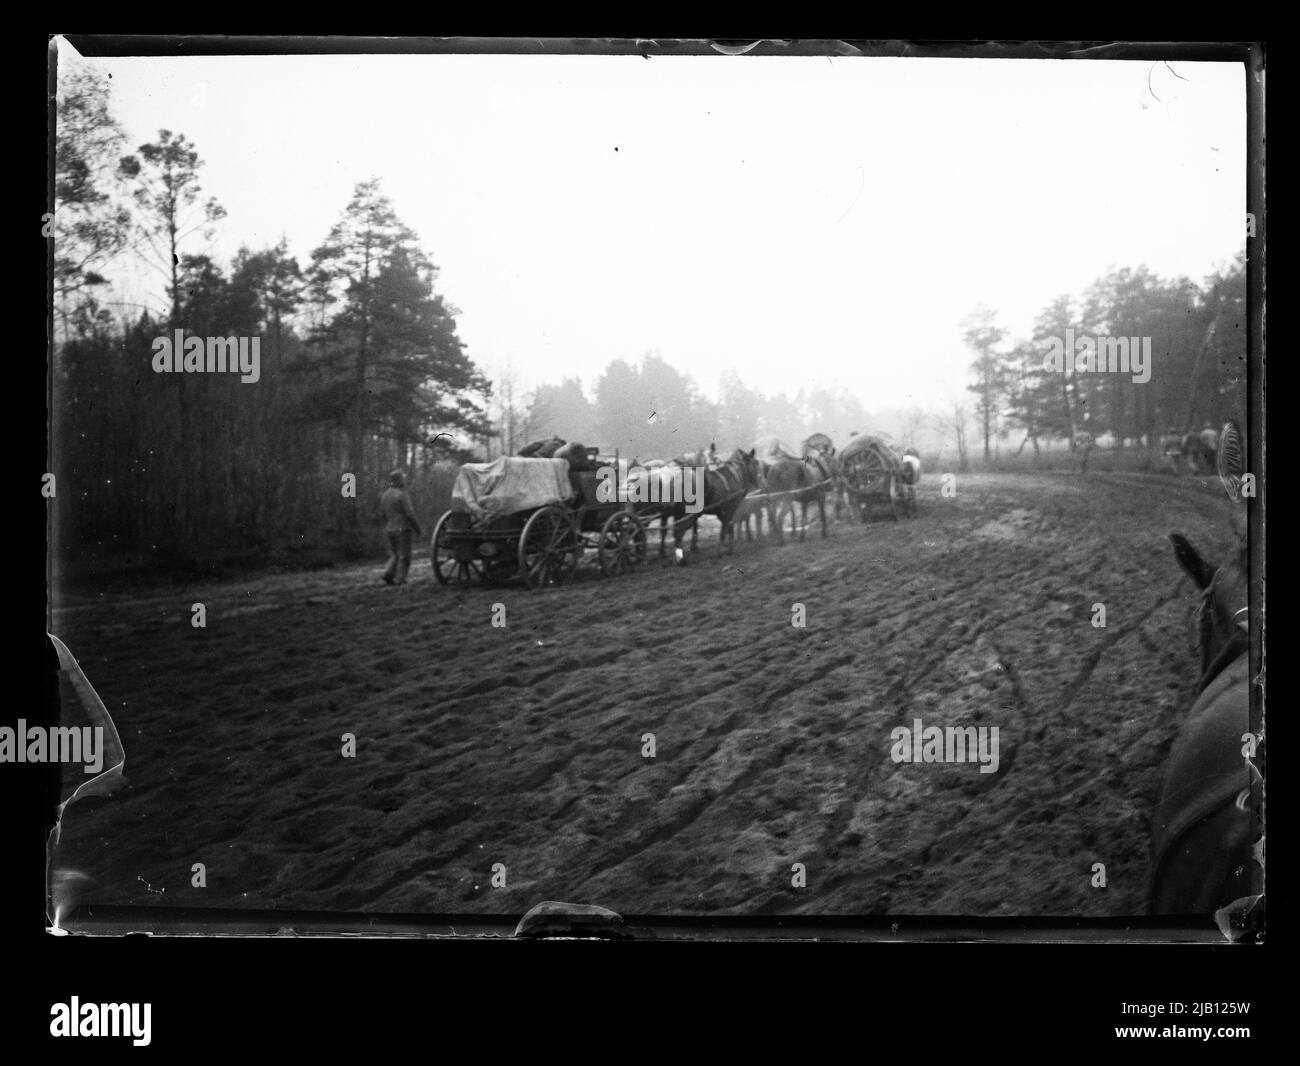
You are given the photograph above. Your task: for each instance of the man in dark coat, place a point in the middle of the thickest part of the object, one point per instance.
(399, 523)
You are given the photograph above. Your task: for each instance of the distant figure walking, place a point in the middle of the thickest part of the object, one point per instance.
(399, 523)
(1084, 443)
(1171, 451)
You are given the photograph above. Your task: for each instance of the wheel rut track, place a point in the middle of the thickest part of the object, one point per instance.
(691, 810)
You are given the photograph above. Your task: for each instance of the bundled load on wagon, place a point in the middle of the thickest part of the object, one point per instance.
(818, 444)
(872, 474)
(509, 485)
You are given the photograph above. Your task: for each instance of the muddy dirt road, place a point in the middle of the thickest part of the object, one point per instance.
(523, 746)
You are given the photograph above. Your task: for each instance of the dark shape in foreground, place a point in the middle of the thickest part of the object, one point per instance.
(1203, 854)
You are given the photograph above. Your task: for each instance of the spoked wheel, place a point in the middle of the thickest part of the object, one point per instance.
(455, 551)
(873, 477)
(549, 548)
(622, 544)
(870, 473)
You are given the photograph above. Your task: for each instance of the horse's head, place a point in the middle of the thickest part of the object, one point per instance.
(1222, 615)
(747, 467)
(1221, 618)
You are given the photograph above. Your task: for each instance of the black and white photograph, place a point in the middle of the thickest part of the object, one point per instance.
(638, 488)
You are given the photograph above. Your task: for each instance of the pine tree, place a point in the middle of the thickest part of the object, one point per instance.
(981, 333)
(91, 217)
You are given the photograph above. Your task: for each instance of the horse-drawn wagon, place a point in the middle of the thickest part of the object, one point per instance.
(532, 518)
(873, 475)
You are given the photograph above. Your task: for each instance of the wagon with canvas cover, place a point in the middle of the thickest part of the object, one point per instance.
(532, 518)
(872, 476)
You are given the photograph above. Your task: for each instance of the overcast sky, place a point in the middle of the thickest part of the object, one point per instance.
(802, 220)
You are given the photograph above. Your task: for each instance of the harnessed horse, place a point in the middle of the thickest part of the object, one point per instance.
(797, 480)
(724, 486)
(749, 515)
(701, 459)
(1202, 831)
(820, 445)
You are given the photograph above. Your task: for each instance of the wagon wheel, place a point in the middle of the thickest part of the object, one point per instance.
(455, 553)
(870, 471)
(549, 547)
(622, 544)
(872, 476)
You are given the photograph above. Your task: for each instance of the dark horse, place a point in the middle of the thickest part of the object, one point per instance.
(724, 486)
(802, 481)
(1202, 832)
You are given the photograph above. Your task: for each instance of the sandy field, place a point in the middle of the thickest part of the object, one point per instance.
(522, 746)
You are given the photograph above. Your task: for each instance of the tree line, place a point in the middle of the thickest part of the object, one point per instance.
(1192, 336)
(360, 360)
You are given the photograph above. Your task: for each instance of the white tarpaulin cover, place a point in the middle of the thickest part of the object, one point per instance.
(510, 484)
(868, 442)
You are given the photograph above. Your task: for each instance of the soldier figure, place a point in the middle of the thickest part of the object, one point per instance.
(399, 523)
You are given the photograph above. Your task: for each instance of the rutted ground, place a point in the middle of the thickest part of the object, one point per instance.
(522, 746)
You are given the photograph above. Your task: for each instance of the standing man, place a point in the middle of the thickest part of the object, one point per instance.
(399, 523)
(1084, 442)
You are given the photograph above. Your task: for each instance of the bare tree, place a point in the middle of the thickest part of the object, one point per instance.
(509, 409)
(913, 423)
(955, 421)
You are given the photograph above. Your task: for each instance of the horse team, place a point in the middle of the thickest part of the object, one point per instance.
(747, 485)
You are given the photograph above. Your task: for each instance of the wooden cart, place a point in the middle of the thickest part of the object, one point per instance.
(544, 544)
